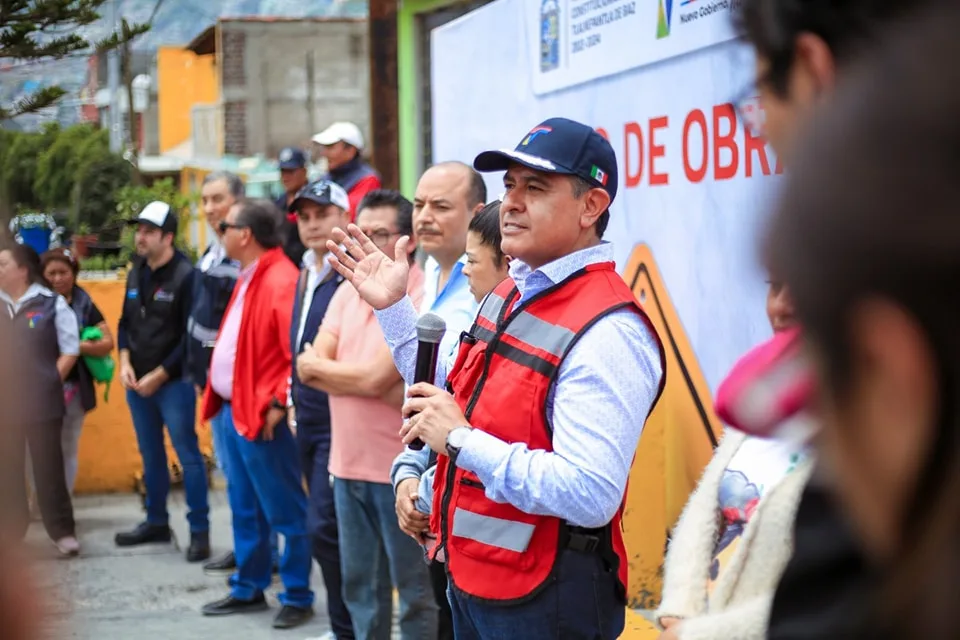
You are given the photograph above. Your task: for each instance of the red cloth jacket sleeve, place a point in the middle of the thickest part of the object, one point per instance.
(362, 188)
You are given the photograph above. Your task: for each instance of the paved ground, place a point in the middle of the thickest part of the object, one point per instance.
(148, 592)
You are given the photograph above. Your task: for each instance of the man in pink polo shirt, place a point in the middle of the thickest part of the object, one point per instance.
(351, 361)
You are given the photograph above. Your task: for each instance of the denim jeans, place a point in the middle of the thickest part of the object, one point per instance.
(174, 405)
(580, 603)
(266, 494)
(218, 431)
(322, 525)
(375, 557)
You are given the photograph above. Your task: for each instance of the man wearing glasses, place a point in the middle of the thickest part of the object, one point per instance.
(351, 362)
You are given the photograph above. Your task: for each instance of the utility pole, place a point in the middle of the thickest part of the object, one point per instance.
(134, 148)
(113, 79)
(384, 90)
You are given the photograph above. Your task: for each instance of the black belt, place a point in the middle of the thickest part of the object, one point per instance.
(583, 539)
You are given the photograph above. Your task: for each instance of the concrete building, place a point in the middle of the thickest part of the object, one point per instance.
(282, 80)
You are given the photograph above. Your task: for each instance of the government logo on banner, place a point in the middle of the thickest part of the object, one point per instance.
(576, 41)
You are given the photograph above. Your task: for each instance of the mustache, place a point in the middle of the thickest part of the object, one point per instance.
(426, 229)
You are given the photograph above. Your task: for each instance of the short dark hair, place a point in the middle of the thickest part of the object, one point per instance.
(477, 189)
(60, 255)
(486, 224)
(263, 219)
(772, 27)
(580, 187)
(390, 198)
(26, 256)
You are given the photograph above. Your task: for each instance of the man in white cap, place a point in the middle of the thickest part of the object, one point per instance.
(342, 144)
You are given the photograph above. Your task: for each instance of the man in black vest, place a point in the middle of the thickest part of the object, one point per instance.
(152, 339)
(320, 207)
(342, 145)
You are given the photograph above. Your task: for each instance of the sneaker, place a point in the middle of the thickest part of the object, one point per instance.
(144, 533)
(68, 546)
(329, 635)
(225, 565)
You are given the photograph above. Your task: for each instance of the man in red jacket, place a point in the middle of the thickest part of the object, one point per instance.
(248, 379)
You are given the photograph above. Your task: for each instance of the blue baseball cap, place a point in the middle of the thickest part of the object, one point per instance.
(559, 145)
(292, 158)
(322, 192)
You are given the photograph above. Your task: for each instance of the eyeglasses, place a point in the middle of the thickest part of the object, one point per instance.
(224, 225)
(381, 237)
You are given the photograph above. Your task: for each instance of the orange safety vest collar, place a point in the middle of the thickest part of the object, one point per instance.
(504, 369)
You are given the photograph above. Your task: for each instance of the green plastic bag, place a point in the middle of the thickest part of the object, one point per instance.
(101, 367)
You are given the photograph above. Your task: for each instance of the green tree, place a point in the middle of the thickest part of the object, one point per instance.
(57, 169)
(99, 176)
(19, 169)
(49, 30)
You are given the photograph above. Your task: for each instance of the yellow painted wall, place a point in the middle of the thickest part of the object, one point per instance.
(109, 458)
(184, 79)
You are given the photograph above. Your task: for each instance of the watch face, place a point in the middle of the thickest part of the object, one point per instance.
(457, 437)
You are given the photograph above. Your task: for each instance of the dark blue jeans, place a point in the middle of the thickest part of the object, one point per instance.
(322, 525)
(375, 557)
(174, 404)
(580, 603)
(266, 494)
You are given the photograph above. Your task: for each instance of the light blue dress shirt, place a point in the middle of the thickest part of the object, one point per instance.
(604, 390)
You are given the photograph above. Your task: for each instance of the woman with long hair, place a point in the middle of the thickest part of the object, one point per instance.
(60, 269)
(45, 345)
(868, 238)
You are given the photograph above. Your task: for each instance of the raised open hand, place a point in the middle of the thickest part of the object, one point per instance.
(380, 281)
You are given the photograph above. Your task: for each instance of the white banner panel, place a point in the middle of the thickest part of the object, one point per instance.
(575, 41)
(692, 180)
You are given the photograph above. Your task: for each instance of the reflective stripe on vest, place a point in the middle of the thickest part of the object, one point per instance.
(206, 336)
(496, 532)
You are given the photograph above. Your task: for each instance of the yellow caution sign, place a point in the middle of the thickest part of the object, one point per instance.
(677, 442)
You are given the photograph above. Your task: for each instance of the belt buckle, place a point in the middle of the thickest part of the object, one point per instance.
(583, 542)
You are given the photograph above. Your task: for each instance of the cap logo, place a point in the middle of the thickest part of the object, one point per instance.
(534, 133)
(599, 175)
(286, 155)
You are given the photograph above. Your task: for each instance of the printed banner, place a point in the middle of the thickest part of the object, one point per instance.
(575, 41)
(694, 185)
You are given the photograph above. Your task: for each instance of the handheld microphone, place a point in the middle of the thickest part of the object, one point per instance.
(430, 330)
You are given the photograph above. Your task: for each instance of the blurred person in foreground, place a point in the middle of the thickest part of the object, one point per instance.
(867, 237)
(803, 51)
(60, 269)
(550, 390)
(45, 346)
(351, 362)
(342, 145)
(152, 335)
(321, 206)
(249, 383)
(733, 540)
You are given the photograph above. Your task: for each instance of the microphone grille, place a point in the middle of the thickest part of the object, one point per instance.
(430, 328)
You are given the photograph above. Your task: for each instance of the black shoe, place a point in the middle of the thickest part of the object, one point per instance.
(290, 617)
(144, 533)
(222, 566)
(230, 605)
(199, 547)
